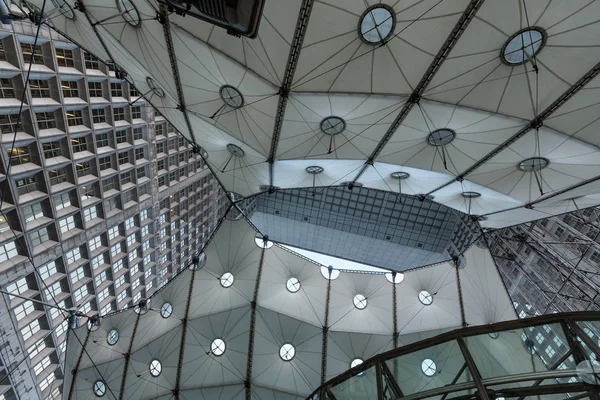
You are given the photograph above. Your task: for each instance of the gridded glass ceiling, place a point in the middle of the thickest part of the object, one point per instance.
(374, 227)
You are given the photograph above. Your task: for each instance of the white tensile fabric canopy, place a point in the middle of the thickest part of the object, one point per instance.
(504, 81)
(284, 314)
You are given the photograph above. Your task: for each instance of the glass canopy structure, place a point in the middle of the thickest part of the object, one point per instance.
(498, 361)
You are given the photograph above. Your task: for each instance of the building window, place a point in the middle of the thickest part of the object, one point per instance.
(30, 330)
(8, 123)
(40, 236)
(66, 224)
(95, 89)
(129, 223)
(79, 144)
(559, 231)
(64, 58)
(57, 176)
(19, 155)
(73, 255)
(160, 147)
(138, 134)
(101, 140)
(129, 196)
(32, 212)
(47, 270)
(116, 89)
(26, 185)
(83, 169)
(105, 163)
(97, 261)
(133, 92)
(98, 115)
(112, 204)
(39, 88)
(121, 296)
(74, 118)
(63, 201)
(77, 275)
(51, 149)
(141, 172)
(7, 251)
(123, 158)
(80, 293)
(91, 62)
(45, 120)
(595, 257)
(119, 114)
(126, 178)
(69, 89)
(171, 144)
(121, 137)
(136, 112)
(96, 241)
(32, 54)
(139, 153)
(6, 89)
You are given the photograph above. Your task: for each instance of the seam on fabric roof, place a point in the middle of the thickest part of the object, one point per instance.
(435, 65)
(290, 69)
(127, 356)
(533, 124)
(183, 335)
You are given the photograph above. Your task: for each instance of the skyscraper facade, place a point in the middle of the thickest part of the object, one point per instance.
(102, 201)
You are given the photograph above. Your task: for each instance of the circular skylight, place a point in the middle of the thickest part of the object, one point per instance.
(217, 347)
(314, 169)
(394, 279)
(494, 335)
(523, 46)
(441, 137)
(129, 12)
(400, 175)
(198, 261)
(533, 164)
(227, 279)
(333, 125)
(428, 367)
(166, 310)
(99, 388)
(360, 301)
(65, 9)
(293, 285)
(377, 24)
(235, 150)
(261, 242)
(334, 273)
(112, 337)
(425, 297)
(471, 195)
(155, 367)
(231, 96)
(355, 362)
(287, 352)
(154, 87)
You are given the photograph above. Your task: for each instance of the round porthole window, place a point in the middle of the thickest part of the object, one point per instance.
(231, 96)
(99, 388)
(129, 12)
(227, 279)
(287, 352)
(166, 310)
(155, 368)
(428, 367)
(425, 297)
(112, 337)
(377, 24)
(293, 285)
(360, 301)
(333, 125)
(217, 347)
(523, 46)
(394, 278)
(262, 241)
